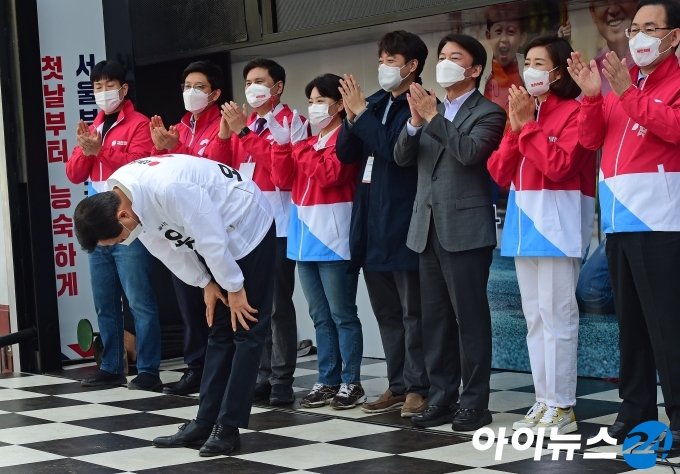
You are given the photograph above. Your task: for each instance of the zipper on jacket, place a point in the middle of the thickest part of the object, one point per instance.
(519, 195)
(101, 168)
(302, 229)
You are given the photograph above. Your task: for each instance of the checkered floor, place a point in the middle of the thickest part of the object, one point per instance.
(51, 424)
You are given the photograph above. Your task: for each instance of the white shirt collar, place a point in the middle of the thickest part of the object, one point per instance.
(458, 101)
(321, 143)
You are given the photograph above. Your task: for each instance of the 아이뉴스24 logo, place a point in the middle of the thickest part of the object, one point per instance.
(640, 448)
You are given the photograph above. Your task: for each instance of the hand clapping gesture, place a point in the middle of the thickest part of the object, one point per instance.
(587, 77)
(163, 139)
(281, 133)
(423, 104)
(616, 72)
(90, 144)
(235, 116)
(352, 96)
(522, 108)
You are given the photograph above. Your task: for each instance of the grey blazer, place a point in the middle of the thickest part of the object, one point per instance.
(454, 185)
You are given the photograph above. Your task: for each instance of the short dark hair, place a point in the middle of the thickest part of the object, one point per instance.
(210, 70)
(469, 44)
(111, 70)
(559, 50)
(672, 10)
(407, 44)
(95, 219)
(274, 69)
(328, 86)
(506, 12)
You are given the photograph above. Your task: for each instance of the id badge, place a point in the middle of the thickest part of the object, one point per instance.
(368, 170)
(247, 170)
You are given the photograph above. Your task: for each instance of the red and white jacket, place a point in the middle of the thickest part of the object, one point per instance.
(199, 140)
(257, 149)
(639, 133)
(127, 140)
(323, 191)
(551, 206)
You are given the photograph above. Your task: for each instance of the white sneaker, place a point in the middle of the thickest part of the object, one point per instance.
(563, 419)
(532, 417)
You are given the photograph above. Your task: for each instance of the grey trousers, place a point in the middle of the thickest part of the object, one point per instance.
(277, 364)
(395, 299)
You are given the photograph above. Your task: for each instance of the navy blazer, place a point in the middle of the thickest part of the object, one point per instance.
(382, 209)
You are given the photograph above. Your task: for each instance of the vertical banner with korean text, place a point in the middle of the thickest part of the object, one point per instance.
(71, 43)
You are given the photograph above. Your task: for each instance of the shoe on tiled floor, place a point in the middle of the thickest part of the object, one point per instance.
(188, 434)
(471, 420)
(415, 404)
(223, 440)
(564, 419)
(262, 392)
(435, 416)
(281, 395)
(349, 396)
(320, 395)
(532, 417)
(145, 381)
(387, 402)
(102, 377)
(189, 383)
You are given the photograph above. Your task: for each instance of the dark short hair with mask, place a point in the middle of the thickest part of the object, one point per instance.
(95, 219)
(274, 69)
(469, 44)
(328, 86)
(559, 51)
(672, 11)
(210, 70)
(108, 70)
(407, 44)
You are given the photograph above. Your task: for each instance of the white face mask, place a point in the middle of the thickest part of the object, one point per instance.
(257, 94)
(449, 73)
(537, 82)
(318, 115)
(195, 101)
(108, 101)
(389, 77)
(645, 49)
(134, 233)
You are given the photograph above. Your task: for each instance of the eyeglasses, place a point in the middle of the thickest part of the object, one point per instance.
(198, 87)
(648, 30)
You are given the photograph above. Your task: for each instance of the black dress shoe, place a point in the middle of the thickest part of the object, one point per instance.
(102, 377)
(145, 381)
(435, 416)
(262, 392)
(189, 434)
(281, 395)
(470, 420)
(223, 440)
(189, 383)
(619, 430)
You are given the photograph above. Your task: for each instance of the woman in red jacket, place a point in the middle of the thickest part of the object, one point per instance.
(549, 223)
(318, 238)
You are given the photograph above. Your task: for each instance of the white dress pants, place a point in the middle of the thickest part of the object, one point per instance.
(548, 289)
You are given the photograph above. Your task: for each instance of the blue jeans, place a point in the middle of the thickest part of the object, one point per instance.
(594, 289)
(331, 294)
(118, 269)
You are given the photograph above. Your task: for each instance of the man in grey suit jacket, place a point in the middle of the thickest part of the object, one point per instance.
(453, 229)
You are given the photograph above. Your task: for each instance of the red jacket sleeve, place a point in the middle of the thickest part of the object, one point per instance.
(558, 160)
(591, 122)
(322, 166)
(219, 150)
(79, 166)
(503, 162)
(259, 148)
(283, 166)
(179, 149)
(138, 147)
(658, 118)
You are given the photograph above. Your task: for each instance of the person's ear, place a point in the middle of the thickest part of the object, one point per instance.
(279, 89)
(414, 66)
(124, 89)
(476, 71)
(216, 94)
(675, 37)
(341, 106)
(121, 214)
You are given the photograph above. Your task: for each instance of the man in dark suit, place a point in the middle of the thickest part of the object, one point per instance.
(452, 228)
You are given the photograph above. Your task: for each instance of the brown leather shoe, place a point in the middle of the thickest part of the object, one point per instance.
(414, 405)
(387, 402)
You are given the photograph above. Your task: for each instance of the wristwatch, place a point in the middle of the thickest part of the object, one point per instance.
(244, 131)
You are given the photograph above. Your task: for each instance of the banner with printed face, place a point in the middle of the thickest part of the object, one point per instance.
(71, 43)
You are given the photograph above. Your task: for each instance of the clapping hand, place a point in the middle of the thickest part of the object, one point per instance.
(163, 139)
(522, 108)
(235, 116)
(616, 72)
(281, 133)
(90, 144)
(422, 102)
(586, 76)
(352, 96)
(298, 130)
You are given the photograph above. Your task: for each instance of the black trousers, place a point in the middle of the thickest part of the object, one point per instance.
(192, 308)
(232, 358)
(280, 348)
(395, 299)
(645, 278)
(456, 323)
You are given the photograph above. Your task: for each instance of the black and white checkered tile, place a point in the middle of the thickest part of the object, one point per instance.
(52, 424)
